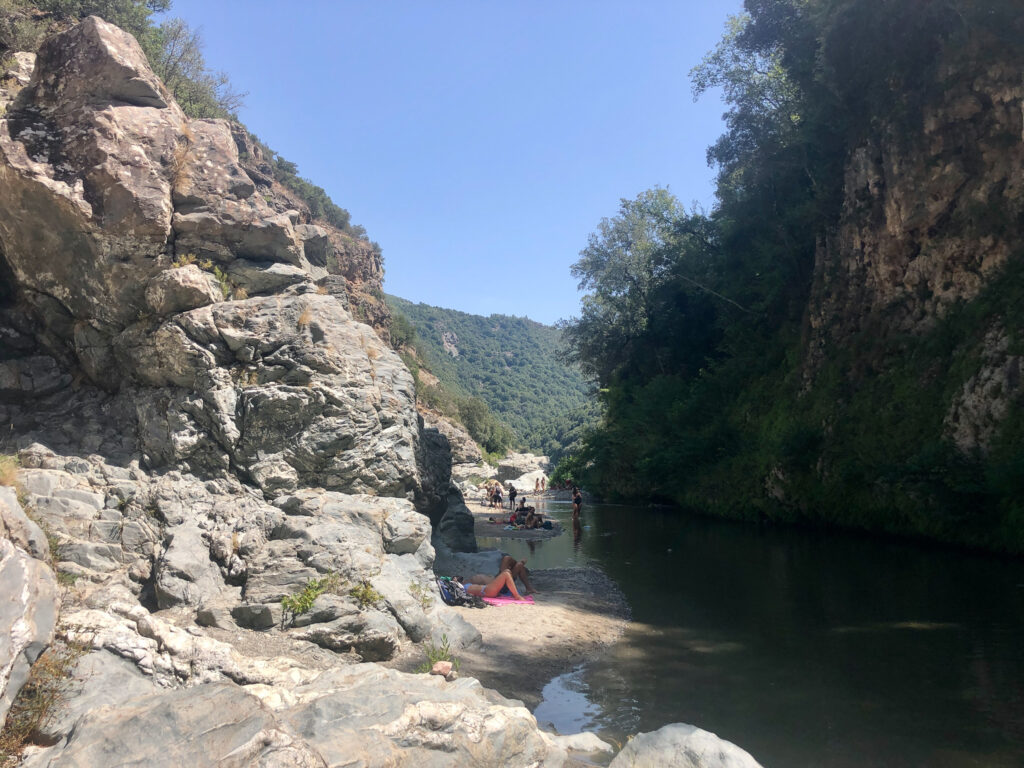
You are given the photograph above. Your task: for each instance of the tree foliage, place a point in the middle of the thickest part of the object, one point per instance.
(692, 324)
(515, 368)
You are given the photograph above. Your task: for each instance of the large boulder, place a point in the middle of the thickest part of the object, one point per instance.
(95, 147)
(290, 390)
(682, 746)
(28, 615)
(218, 724)
(515, 465)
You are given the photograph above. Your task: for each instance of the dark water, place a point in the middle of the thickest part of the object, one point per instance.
(805, 648)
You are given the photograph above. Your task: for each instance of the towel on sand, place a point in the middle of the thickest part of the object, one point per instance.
(503, 600)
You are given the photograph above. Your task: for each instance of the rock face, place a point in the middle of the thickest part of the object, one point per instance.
(682, 746)
(985, 399)
(905, 250)
(515, 465)
(151, 224)
(28, 599)
(464, 449)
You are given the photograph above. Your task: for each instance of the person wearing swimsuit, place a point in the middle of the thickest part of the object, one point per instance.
(501, 581)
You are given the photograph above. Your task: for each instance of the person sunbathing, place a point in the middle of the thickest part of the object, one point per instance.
(502, 581)
(516, 568)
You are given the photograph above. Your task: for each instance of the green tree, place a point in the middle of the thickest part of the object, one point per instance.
(175, 52)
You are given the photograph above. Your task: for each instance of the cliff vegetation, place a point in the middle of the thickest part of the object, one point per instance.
(506, 379)
(839, 341)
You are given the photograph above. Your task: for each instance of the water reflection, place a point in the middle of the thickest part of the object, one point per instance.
(806, 648)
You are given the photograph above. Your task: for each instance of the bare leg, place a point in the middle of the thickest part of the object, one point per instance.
(519, 571)
(503, 579)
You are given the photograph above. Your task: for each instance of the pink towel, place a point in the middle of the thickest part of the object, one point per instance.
(527, 600)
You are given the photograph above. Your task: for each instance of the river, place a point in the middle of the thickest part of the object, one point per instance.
(806, 648)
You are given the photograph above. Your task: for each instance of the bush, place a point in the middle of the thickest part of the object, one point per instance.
(302, 601)
(436, 653)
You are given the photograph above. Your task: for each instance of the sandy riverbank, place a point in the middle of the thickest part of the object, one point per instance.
(577, 614)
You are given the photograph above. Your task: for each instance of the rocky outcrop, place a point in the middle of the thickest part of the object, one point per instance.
(682, 746)
(916, 234)
(164, 225)
(464, 449)
(28, 598)
(983, 402)
(136, 543)
(516, 465)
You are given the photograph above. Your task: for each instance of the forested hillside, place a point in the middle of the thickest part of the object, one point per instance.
(840, 340)
(519, 368)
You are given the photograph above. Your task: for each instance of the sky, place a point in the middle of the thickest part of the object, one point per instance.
(480, 142)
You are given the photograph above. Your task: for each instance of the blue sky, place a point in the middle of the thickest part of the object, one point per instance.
(480, 142)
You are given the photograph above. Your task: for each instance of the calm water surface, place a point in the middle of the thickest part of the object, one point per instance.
(805, 648)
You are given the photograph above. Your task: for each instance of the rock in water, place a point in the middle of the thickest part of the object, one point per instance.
(682, 746)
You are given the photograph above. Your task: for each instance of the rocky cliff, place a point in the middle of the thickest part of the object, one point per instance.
(932, 214)
(203, 429)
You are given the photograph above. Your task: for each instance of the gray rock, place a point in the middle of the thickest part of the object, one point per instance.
(457, 528)
(98, 679)
(515, 465)
(16, 526)
(257, 615)
(328, 608)
(683, 746)
(259, 277)
(28, 378)
(215, 725)
(368, 715)
(181, 289)
(185, 575)
(28, 614)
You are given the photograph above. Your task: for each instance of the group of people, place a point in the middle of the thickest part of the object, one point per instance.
(511, 569)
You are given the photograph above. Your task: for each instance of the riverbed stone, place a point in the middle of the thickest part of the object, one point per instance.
(682, 746)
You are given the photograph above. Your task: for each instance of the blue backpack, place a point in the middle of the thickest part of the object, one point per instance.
(453, 593)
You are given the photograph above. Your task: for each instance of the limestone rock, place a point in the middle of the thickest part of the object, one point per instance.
(464, 449)
(18, 528)
(983, 402)
(218, 724)
(457, 526)
(582, 742)
(682, 746)
(95, 147)
(289, 389)
(28, 614)
(515, 465)
(181, 289)
(368, 715)
(907, 246)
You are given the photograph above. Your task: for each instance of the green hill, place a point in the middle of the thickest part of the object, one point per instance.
(516, 366)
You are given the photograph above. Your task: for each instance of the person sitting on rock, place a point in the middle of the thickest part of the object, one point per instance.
(494, 587)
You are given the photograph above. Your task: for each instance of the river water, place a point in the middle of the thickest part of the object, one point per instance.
(806, 648)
